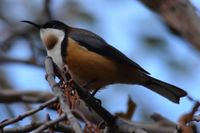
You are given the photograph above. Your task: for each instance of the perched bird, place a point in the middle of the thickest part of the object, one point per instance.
(94, 62)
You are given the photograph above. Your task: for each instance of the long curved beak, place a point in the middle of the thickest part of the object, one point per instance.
(34, 24)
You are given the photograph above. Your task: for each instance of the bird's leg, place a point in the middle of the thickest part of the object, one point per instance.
(93, 92)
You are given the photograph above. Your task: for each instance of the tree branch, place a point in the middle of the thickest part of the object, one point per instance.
(50, 76)
(196, 118)
(11, 96)
(49, 124)
(28, 113)
(30, 127)
(4, 59)
(180, 15)
(47, 9)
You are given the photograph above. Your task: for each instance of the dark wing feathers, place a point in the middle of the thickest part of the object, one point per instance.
(95, 43)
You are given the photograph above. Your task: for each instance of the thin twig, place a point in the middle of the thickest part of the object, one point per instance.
(30, 127)
(47, 9)
(49, 124)
(20, 117)
(4, 59)
(10, 96)
(196, 118)
(24, 129)
(161, 120)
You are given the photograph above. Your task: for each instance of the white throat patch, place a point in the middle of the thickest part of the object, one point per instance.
(55, 52)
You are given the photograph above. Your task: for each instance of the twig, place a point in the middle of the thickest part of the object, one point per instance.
(47, 10)
(28, 113)
(196, 118)
(4, 59)
(14, 34)
(161, 120)
(10, 96)
(58, 92)
(24, 129)
(126, 126)
(49, 124)
(30, 127)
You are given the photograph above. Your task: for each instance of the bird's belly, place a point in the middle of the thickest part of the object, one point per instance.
(90, 68)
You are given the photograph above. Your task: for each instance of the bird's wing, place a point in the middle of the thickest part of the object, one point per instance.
(96, 44)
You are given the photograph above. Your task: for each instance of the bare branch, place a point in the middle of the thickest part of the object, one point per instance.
(49, 124)
(47, 9)
(20, 117)
(128, 126)
(10, 96)
(162, 120)
(14, 35)
(58, 92)
(180, 15)
(196, 118)
(30, 127)
(4, 59)
(24, 129)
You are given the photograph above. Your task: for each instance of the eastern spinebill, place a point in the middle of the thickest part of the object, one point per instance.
(92, 60)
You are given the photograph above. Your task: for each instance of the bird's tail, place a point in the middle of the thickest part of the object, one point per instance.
(169, 91)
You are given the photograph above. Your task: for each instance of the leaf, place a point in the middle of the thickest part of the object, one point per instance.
(186, 118)
(130, 111)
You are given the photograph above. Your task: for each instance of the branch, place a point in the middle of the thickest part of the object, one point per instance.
(196, 118)
(30, 127)
(126, 126)
(47, 10)
(23, 129)
(28, 113)
(50, 76)
(49, 124)
(162, 120)
(13, 35)
(180, 15)
(10, 96)
(4, 59)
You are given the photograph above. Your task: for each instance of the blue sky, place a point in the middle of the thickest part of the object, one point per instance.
(122, 24)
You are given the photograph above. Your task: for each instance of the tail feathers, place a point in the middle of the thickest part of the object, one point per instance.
(170, 92)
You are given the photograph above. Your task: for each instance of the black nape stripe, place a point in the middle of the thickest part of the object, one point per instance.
(64, 47)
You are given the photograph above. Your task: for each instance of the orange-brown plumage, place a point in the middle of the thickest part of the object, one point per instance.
(87, 66)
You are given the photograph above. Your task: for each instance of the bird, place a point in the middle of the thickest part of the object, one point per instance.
(92, 61)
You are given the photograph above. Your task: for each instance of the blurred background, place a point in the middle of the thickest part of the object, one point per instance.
(127, 25)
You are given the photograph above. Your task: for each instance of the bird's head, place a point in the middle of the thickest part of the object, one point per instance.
(51, 33)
